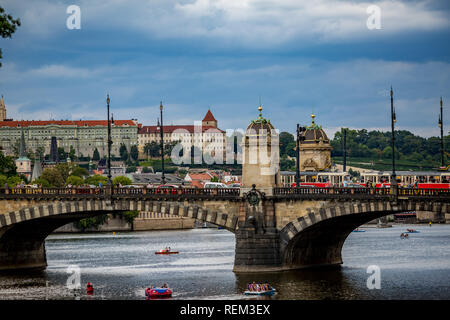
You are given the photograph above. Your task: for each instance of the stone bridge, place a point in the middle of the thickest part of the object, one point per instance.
(276, 229)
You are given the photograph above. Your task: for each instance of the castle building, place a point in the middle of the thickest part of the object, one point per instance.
(83, 136)
(315, 150)
(206, 137)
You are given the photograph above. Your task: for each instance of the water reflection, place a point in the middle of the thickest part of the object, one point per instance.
(122, 266)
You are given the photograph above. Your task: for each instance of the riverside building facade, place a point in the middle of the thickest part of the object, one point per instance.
(84, 136)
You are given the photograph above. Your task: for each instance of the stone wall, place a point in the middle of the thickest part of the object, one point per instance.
(112, 224)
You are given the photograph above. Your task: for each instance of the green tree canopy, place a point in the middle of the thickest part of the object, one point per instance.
(74, 181)
(79, 172)
(96, 155)
(7, 166)
(123, 152)
(122, 180)
(54, 177)
(152, 149)
(134, 153)
(42, 182)
(96, 179)
(8, 26)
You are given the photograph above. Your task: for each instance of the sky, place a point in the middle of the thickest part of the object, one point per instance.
(296, 57)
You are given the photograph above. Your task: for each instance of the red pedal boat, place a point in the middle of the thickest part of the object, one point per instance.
(154, 293)
(166, 251)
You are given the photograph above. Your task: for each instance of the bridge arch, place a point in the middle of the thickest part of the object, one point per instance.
(23, 232)
(317, 238)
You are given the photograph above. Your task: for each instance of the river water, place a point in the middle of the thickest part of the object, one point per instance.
(121, 266)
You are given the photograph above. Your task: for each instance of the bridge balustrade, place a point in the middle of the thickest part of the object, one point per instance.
(228, 192)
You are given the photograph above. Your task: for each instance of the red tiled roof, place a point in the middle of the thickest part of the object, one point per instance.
(200, 176)
(209, 116)
(197, 184)
(171, 129)
(78, 123)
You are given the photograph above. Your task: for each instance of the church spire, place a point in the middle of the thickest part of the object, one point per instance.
(22, 148)
(2, 109)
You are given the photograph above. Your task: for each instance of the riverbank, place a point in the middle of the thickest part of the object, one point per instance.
(143, 222)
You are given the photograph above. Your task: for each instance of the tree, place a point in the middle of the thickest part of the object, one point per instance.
(96, 179)
(123, 152)
(134, 152)
(122, 180)
(72, 155)
(74, 181)
(146, 170)
(42, 182)
(285, 139)
(14, 181)
(152, 149)
(96, 155)
(54, 177)
(8, 26)
(62, 153)
(79, 172)
(7, 166)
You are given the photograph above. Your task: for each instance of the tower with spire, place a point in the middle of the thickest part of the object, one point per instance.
(23, 163)
(209, 120)
(2, 109)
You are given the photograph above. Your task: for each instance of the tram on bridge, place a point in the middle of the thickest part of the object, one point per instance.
(382, 179)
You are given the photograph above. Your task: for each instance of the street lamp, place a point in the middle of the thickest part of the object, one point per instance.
(163, 178)
(441, 126)
(300, 137)
(109, 144)
(393, 121)
(344, 164)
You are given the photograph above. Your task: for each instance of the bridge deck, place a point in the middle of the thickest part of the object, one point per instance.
(225, 193)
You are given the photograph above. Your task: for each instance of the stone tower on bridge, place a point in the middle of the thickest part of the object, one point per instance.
(257, 244)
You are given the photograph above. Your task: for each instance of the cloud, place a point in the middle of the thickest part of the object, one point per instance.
(242, 23)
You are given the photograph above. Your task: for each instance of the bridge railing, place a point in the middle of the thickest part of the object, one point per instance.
(219, 192)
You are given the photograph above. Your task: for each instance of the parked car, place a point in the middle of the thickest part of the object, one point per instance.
(234, 185)
(209, 185)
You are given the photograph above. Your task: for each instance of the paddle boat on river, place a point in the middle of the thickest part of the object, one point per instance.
(254, 289)
(412, 231)
(158, 293)
(166, 250)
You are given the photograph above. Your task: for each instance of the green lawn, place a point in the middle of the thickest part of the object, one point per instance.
(386, 164)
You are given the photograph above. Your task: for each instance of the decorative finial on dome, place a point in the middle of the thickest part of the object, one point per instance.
(260, 112)
(313, 116)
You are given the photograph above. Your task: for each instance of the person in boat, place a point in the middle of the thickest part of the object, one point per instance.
(402, 235)
(254, 286)
(164, 285)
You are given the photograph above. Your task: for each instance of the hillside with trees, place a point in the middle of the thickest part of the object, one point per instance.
(372, 149)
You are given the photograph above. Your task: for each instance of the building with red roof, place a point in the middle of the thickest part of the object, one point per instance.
(206, 137)
(83, 136)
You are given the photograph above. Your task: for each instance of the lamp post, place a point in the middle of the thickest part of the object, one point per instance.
(163, 178)
(344, 165)
(109, 144)
(300, 137)
(393, 120)
(441, 126)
